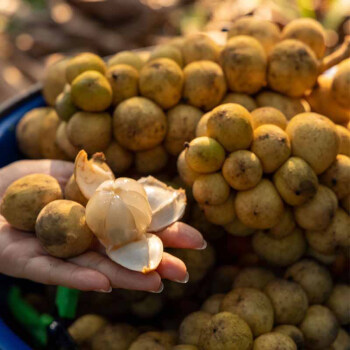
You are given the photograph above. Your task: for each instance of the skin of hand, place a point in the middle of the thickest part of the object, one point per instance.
(22, 256)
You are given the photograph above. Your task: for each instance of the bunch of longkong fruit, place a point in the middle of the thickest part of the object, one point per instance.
(259, 130)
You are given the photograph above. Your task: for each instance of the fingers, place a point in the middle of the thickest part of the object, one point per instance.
(180, 235)
(173, 269)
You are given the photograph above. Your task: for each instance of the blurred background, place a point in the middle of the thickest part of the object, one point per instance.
(34, 33)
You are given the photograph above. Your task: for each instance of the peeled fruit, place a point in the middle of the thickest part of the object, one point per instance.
(292, 68)
(259, 207)
(230, 124)
(268, 115)
(161, 81)
(204, 84)
(62, 230)
(151, 161)
(91, 92)
(274, 341)
(73, 193)
(118, 158)
(244, 100)
(341, 84)
(293, 332)
(237, 228)
(295, 181)
(226, 331)
(285, 225)
(309, 31)
(64, 105)
(139, 124)
(186, 173)
(25, 197)
(212, 304)
(84, 62)
(63, 141)
(316, 319)
(253, 277)
(204, 155)
(244, 61)
(126, 57)
(339, 303)
(182, 123)
(314, 138)
(344, 139)
(220, 214)
(124, 81)
(272, 146)
(242, 170)
(167, 51)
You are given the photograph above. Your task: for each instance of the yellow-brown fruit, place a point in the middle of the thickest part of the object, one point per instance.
(25, 197)
(272, 146)
(237, 228)
(198, 47)
(54, 80)
(337, 176)
(244, 100)
(244, 62)
(151, 161)
(91, 92)
(285, 225)
(253, 277)
(184, 347)
(118, 158)
(64, 143)
(62, 230)
(230, 124)
(341, 84)
(295, 181)
(204, 155)
(280, 251)
(266, 32)
(64, 105)
(139, 124)
(309, 31)
(226, 331)
(274, 341)
(212, 304)
(292, 68)
(344, 140)
(192, 326)
(259, 207)
(222, 278)
(177, 42)
(182, 123)
(126, 57)
(210, 189)
(320, 327)
(242, 170)
(161, 81)
(204, 84)
(90, 131)
(317, 212)
(83, 62)
(339, 303)
(253, 306)
(201, 129)
(73, 193)
(314, 278)
(288, 300)
(314, 138)
(268, 115)
(167, 51)
(320, 257)
(187, 175)
(341, 342)
(124, 81)
(154, 341)
(293, 332)
(289, 106)
(220, 214)
(28, 132)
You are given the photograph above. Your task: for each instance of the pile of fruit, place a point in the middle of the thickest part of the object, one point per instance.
(257, 132)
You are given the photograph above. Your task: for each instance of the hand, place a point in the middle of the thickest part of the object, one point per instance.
(22, 256)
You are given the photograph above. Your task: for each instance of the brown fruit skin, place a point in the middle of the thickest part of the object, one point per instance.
(253, 306)
(244, 62)
(73, 193)
(341, 84)
(320, 327)
(244, 100)
(314, 278)
(139, 124)
(220, 214)
(282, 251)
(285, 225)
(226, 331)
(253, 277)
(337, 176)
(289, 301)
(342, 341)
(295, 181)
(151, 161)
(230, 124)
(237, 228)
(62, 230)
(344, 140)
(161, 80)
(314, 139)
(268, 115)
(309, 31)
(25, 197)
(153, 341)
(126, 57)
(339, 303)
(204, 84)
(212, 304)
(198, 47)
(274, 341)
(272, 146)
(124, 81)
(118, 158)
(184, 347)
(318, 212)
(259, 207)
(242, 170)
(345, 203)
(28, 132)
(292, 68)
(90, 131)
(293, 332)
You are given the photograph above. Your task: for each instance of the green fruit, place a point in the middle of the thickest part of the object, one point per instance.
(64, 105)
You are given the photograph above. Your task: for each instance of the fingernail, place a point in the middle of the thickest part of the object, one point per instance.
(204, 245)
(103, 290)
(185, 280)
(161, 287)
